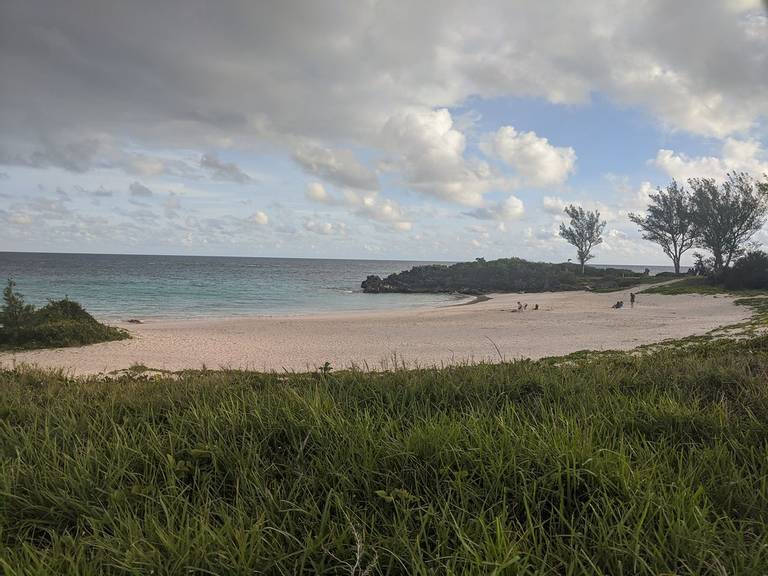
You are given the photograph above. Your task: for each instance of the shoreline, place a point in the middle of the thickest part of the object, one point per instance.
(473, 331)
(122, 320)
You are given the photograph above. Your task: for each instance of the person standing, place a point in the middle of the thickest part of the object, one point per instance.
(632, 299)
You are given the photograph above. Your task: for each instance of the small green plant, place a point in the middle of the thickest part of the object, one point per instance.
(57, 324)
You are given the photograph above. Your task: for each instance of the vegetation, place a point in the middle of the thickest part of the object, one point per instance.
(584, 232)
(749, 272)
(59, 323)
(602, 463)
(669, 222)
(748, 275)
(727, 216)
(504, 275)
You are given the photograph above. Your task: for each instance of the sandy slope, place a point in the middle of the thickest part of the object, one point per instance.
(566, 322)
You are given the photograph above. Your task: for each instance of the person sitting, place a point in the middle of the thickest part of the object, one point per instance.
(536, 307)
(619, 304)
(519, 305)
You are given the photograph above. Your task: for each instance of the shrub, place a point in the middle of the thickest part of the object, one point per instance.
(59, 323)
(749, 272)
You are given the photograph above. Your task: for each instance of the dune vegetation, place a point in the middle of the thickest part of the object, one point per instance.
(59, 323)
(651, 462)
(505, 275)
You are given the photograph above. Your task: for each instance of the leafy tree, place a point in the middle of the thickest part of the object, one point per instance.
(668, 222)
(585, 232)
(14, 313)
(727, 216)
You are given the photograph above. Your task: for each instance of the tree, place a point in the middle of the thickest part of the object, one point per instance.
(585, 232)
(14, 313)
(727, 216)
(668, 222)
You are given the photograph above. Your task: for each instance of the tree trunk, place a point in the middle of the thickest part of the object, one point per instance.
(676, 262)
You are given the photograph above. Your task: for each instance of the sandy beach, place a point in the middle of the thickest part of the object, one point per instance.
(566, 322)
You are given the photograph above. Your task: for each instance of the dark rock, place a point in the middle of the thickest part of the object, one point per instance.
(135, 321)
(372, 284)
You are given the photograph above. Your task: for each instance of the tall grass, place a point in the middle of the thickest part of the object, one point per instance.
(595, 464)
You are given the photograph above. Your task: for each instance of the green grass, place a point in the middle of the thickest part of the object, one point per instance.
(611, 463)
(699, 285)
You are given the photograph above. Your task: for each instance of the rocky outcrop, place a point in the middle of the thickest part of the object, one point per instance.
(503, 275)
(375, 285)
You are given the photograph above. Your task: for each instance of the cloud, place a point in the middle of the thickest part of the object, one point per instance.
(534, 159)
(337, 166)
(172, 205)
(260, 218)
(20, 219)
(382, 210)
(325, 228)
(553, 204)
(736, 155)
(316, 192)
(243, 74)
(510, 209)
(430, 153)
(227, 171)
(368, 205)
(99, 192)
(138, 189)
(81, 154)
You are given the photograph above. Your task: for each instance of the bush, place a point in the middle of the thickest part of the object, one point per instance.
(503, 275)
(57, 324)
(749, 272)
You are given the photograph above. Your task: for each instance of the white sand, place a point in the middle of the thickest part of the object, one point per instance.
(566, 322)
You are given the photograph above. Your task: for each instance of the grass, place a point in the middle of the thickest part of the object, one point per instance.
(699, 285)
(612, 463)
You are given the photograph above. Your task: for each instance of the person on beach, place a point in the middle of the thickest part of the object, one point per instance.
(631, 299)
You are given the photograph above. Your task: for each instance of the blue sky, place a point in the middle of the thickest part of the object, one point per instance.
(387, 130)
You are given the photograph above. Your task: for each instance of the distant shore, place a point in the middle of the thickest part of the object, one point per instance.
(485, 331)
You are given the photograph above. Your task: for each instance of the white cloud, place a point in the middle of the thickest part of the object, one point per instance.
(736, 155)
(337, 166)
(367, 205)
(534, 159)
(430, 153)
(260, 218)
(325, 228)
(316, 192)
(553, 204)
(511, 208)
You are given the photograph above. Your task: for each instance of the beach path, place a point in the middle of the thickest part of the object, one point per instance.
(566, 322)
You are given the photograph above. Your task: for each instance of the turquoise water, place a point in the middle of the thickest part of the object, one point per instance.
(122, 287)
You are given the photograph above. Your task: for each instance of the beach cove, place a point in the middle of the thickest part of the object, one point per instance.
(487, 331)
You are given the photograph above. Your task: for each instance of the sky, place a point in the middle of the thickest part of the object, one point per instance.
(419, 130)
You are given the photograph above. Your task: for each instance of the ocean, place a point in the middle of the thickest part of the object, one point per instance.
(131, 286)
